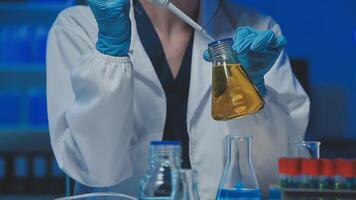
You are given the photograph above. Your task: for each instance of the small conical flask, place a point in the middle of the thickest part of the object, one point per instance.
(233, 93)
(239, 180)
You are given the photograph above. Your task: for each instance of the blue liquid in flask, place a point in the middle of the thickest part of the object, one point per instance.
(239, 194)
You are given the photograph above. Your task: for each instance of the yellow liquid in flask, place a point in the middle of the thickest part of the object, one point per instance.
(234, 95)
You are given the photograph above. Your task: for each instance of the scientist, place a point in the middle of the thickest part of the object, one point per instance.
(121, 74)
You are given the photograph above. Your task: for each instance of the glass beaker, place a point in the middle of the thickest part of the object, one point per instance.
(233, 93)
(308, 149)
(239, 180)
(190, 184)
(162, 181)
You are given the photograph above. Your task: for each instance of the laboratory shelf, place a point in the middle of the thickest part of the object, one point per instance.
(19, 142)
(33, 6)
(30, 13)
(23, 129)
(22, 67)
(24, 26)
(308, 194)
(22, 76)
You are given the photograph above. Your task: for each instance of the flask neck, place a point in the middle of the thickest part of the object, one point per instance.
(239, 171)
(221, 51)
(240, 148)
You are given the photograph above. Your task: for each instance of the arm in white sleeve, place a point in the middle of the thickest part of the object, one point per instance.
(282, 78)
(281, 122)
(90, 105)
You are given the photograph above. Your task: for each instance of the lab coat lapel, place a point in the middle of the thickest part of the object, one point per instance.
(200, 80)
(139, 57)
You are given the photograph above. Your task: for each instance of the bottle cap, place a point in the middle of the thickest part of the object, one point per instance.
(346, 168)
(166, 142)
(293, 166)
(327, 167)
(222, 41)
(310, 167)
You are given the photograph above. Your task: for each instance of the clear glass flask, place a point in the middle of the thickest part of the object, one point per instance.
(308, 149)
(162, 181)
(233, 93)
(239, 180)
(189, 181)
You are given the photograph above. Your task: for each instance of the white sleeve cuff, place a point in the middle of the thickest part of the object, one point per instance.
(113, 59)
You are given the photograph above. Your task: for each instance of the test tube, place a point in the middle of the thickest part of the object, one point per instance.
(310, 174)
(354, 175)
(344, 174)
(289, 169)
(308, 149)
(282, 169)
(327, 174)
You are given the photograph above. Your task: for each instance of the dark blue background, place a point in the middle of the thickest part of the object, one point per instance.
(324, 33)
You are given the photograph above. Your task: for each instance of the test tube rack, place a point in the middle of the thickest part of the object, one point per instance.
(288, 194)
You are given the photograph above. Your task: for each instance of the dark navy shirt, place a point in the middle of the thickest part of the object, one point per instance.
(176, 89)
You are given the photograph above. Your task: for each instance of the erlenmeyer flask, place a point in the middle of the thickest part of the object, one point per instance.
(233, 93)
(239, 180)
(189, 183)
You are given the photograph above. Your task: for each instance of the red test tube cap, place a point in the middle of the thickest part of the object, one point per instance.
(282, 165)
(340, 166)
(293, 166)
(310, 167)
(327, 167)
(349, 169)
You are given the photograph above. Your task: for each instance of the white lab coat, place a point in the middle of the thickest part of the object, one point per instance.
(104, 111)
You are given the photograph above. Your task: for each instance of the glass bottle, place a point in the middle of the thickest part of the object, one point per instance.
(162, 180)
(233, 93)
(190, 184)
(239, 180)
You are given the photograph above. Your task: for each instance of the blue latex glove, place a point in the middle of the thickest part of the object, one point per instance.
(114, 25)
(257, 51)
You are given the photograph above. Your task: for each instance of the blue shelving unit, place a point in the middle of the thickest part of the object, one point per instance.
(27, 165)
(23, 32)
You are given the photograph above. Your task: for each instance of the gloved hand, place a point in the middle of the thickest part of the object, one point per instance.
(114, 24)
(257, 51)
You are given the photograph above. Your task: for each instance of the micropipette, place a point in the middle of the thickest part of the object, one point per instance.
(170, 6)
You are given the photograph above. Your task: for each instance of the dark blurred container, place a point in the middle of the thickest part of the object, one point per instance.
(39, 43)
(23, 44)
(37, 108)
(10, 107)
(16, 44)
